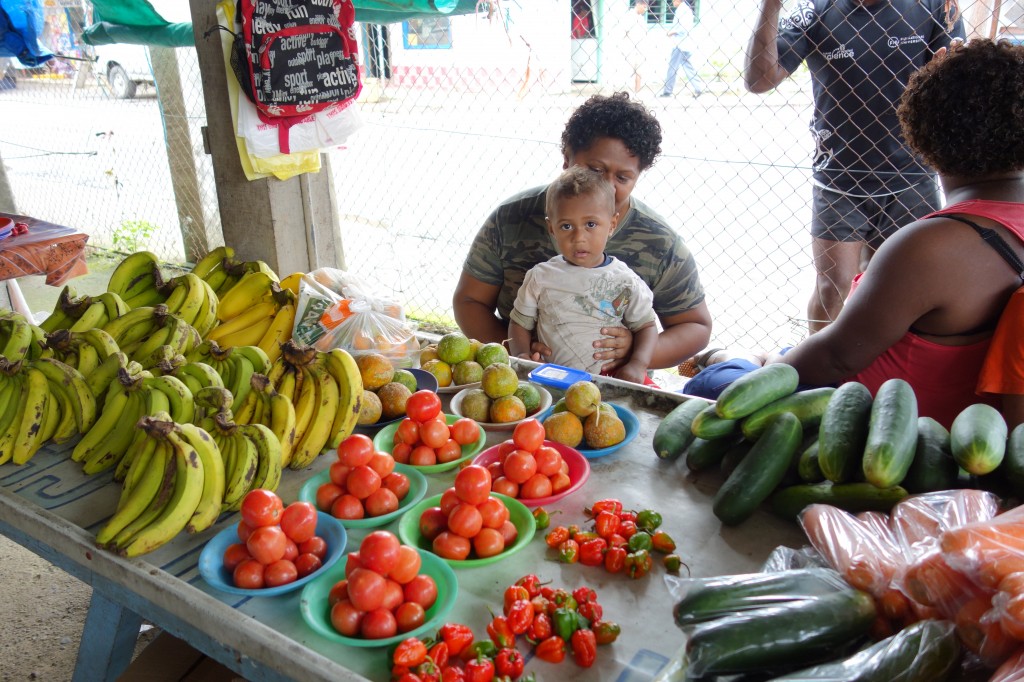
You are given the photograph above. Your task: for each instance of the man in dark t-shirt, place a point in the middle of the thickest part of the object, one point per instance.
(867, 183)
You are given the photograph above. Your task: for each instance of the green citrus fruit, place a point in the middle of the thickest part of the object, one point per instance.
(530, 396)
(406, 378)
(453, 348)
(499, 381)
(476, 405)
(467, 372)
(441, 370)
(491, 353)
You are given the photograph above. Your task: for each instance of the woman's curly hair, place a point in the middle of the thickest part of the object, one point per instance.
(964, 112)
(614, 116)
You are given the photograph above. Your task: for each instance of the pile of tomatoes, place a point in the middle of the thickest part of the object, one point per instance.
(527, 468)
(470, 522)
(424, 438)
(383, 592)
(277, 544)
(363, 482)
(621, 540)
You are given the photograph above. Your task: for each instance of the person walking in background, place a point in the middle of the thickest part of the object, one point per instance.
(867, 183)
(636, 41)
(682, 31)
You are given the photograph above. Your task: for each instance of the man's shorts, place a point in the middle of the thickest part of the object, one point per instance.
(842, 218)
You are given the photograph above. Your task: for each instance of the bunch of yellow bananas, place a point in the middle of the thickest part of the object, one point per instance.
(235, 365)
(176, 481)
(142, 330)
(255, 312)
(193, 300)
(82, 313)
(137, 280)
(85, 350)
(264, 405)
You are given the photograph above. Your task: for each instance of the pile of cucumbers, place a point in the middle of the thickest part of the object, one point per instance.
(837, 446)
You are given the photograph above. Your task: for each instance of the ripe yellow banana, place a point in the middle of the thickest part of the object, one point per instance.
(343, 369)
(18, 340)
(27, 437)
(253, 288)
(134, 274)
(93, 317)
(212, 498)
(268, 450)
(279, 331)
(70, 379)
(318, 431)
(240, 476)
(153, 469)
(11, 419)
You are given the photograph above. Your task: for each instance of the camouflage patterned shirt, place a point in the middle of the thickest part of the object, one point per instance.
(515, 237)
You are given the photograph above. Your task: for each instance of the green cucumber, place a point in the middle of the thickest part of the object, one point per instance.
(852, 497)
(844, 431)
(674, 434)
(704, 454)
(732, 458)
(925, 651)
(892, 434)
(808, 466)
(753, 391)
(808, 406)
(977, 439)
(717, 596)
(1012, 468)
(933, 467)
(758, 474)
(709, 426)
(784, 636)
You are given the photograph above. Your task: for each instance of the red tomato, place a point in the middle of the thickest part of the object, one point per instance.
(249, 575)
(393, 595)
(503, 486)
(538, 485)
(379, 551)
(448, 545)
(291, 550)
(316, 545)
(338, 472)
(509, 532)
(465, 520)
(347, 507)
(378, 624)
(528, 435)
(352, 562)
(563, 468)
(473, 484)
(408, 431)
(366, 589)
(560, 482)
(356, 450)
(298, 521)
(505, 448)
(488, 542)
(362, 481)
(280, 573)
(243, 530)
(449, 451)
(338, 592)
(326, 494)
(267, 544)
(407, 566)
(409, 616)
(422, 589)
(423, 405)
(346, 618)
(381, 501)
(493, 512)
(382, 463)
(307, 563)
(235, 554)
(519, 466)
(548, 460)
(495, 469)
(433, 522)
(422, 456)
(449, 500)
(465, 431)
(434, 433)
(398, 483)
(261, 507)
(401, 452)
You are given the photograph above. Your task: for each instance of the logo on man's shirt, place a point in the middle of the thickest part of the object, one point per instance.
(841, 52)
(801, 17)
(897, 41)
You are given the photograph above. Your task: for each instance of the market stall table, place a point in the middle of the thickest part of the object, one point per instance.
(46, 249)
(51, 507)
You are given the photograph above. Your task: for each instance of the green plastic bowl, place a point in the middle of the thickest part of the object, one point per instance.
(521, 517)
(383, 442)
(317, 614)
(417, 489)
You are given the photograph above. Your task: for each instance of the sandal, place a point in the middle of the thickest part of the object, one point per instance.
(699, 362)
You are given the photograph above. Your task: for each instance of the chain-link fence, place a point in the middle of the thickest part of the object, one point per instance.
(460, 112)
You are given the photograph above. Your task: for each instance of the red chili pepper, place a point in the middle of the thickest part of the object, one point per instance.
(611, 505)
(519, 616)
(456, 636)
(509, 662)
(540, 628)
(564, 599)
(556, 536)
(617, 540)
(605, 631)
(547, 592)
(615, 559)
(627, 529)
(592, 552)
(606, 524)
(410, 677)
(585, 536)
(532, 583)
(583, 594)
(540, 604)
(453, 674)
(663, 542)
(638, 564)
(569, 552)
(479, 670)
(573, 530)
(542, 517)
(514, 593)
(628, 516)
(500, 633)
(428, 672)
(590, 610)
(551, 649)
(439, 655)
(584, 647)
(398, 670)
(410, 653)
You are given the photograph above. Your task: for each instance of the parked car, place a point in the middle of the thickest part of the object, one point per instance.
(125, 66)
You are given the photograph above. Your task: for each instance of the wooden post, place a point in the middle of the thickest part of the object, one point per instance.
(290, 224)
(981, 20)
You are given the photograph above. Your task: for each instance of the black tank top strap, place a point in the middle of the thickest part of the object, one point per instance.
(993, 239)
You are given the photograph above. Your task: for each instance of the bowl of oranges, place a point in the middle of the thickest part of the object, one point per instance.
(502, 401)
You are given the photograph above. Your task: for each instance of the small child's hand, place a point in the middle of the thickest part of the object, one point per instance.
(631, 371)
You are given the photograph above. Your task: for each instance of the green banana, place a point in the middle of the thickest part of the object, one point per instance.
(212, 499)
(82, 399)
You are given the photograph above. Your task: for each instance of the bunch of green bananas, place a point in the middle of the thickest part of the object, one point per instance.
(81, 313)
(252, 452)
(176, 482)
(142, 330)
(85, 350)
(326, 391)
(219, 269)
(137, 280)
(235, 365)
(264, 405)
(190, 298)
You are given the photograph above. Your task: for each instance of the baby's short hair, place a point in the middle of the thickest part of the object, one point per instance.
(578, 181)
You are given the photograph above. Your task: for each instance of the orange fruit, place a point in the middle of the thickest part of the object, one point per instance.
(441, 370)
(507, 408)
(565, 428)
(603, 430)
(499, 381)
(375, 370)
(369, 409)
(393, 397)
